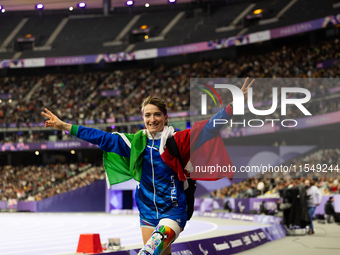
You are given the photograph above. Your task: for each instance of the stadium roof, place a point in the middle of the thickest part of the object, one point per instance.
(20, 5)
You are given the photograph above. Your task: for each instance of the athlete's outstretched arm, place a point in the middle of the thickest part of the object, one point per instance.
(106, 141)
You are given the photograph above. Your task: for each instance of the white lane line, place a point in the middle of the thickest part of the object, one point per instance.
(214, 227)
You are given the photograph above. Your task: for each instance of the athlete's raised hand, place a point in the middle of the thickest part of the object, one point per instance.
(245, 87)
(55, 122)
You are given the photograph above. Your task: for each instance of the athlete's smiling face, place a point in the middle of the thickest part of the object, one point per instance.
(154, 119)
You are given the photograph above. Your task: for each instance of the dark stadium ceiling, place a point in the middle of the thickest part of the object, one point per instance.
(19, 5)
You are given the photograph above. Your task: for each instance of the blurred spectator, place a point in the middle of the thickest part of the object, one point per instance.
(314, 199)
(329, 211)
(227, 207)
(263, 209)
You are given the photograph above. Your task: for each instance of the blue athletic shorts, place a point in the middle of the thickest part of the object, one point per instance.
(152, 223)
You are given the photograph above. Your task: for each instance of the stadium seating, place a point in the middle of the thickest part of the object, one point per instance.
(38, 182)
(78, 97)
(86, 34)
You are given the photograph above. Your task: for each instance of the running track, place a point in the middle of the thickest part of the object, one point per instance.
(57, 233)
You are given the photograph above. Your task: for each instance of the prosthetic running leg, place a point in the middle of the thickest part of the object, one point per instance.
(165, 233)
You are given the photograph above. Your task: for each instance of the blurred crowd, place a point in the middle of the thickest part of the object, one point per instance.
(77, 97)
(33, 183)
(18, 86)
(321, 163)
(323, 168)
(269, 187)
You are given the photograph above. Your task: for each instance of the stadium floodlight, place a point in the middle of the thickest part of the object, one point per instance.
(70, 9)
(147, 5)
(82, 5)
(3, 10)
(129, 3)
(172, 1)
(39, 6)
(258, 11)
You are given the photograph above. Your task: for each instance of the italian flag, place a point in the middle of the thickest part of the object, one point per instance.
(212, 153)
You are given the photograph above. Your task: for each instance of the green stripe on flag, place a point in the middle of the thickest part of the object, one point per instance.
(120, 169)
(116, 167)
